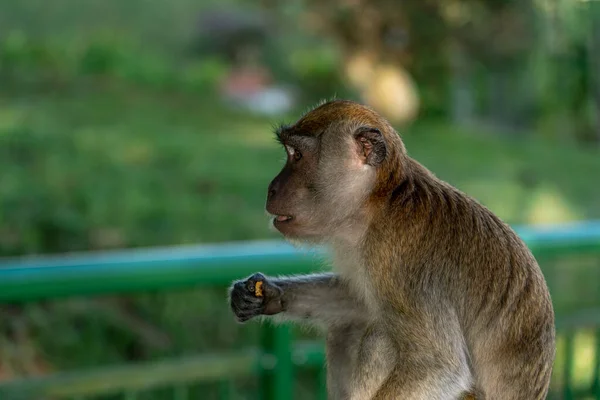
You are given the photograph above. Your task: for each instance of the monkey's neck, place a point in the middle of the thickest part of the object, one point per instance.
(409, 218)
(432, 220)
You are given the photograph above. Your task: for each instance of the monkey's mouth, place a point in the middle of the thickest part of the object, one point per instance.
(283, 218)
(281, 222)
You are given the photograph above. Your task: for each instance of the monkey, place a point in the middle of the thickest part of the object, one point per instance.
(431, 295)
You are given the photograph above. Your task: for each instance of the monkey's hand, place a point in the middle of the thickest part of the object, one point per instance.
(255, 296)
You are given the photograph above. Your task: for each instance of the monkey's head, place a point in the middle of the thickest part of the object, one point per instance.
(341, 157)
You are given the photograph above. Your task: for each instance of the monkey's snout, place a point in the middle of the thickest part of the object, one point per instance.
(272, 189)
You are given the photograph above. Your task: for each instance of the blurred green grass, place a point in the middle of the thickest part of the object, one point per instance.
(158, 167)
(158, 24)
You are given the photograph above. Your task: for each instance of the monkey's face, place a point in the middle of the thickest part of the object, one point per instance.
(291, 197)
(329, 173)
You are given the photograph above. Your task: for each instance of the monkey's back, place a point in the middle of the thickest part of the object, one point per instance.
(510, 329)
(487, 274)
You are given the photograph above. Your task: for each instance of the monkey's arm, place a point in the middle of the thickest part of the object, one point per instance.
(319, 298)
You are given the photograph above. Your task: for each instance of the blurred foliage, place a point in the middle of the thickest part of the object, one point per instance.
(111, 135)
(30, 63)
(511, 64)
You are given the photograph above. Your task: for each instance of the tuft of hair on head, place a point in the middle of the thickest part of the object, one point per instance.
(320, 103)
(323, 102)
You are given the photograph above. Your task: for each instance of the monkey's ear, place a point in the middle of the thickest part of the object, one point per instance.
(372, 149)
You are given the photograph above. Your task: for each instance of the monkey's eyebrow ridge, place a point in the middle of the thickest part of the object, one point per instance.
(285, 133)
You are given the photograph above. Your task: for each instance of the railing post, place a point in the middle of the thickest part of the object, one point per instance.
(596, 373)
(322, 383)
(568, 367)
(226, 389)
(277, 380)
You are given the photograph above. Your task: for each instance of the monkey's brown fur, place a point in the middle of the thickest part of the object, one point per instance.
(433, 296)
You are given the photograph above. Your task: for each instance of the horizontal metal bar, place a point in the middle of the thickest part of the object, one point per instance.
(133, 377)
(149, 269)
(136, 270)
(154, 374)
(573, 232)
(567, 238)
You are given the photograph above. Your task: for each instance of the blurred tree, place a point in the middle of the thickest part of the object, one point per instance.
(235, 34)
(432, 40)
(472, 59)
(594, 63)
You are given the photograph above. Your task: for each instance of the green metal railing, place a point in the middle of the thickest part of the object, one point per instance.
(277, 356)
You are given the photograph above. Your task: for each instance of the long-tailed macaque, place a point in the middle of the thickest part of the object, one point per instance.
(432, 296)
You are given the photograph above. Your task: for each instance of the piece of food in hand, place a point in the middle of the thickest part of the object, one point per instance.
(258, 289)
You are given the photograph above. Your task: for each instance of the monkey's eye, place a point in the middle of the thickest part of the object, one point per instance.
(295, 154)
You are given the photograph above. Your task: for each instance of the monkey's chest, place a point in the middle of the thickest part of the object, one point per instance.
(358, 280)
(361, 357)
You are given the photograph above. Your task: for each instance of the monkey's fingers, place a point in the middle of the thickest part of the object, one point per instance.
(255, 283)
(262, 288)
(243, 316)
(245, 305)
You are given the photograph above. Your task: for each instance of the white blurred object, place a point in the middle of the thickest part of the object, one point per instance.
(270, 101)
(251, 89)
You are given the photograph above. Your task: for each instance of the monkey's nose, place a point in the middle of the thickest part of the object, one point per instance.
(272, 190)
